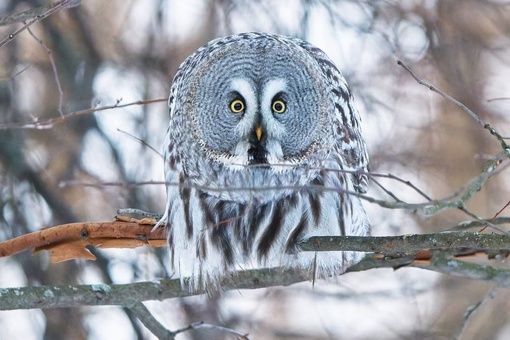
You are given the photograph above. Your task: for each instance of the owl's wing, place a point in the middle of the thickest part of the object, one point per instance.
(347, 118)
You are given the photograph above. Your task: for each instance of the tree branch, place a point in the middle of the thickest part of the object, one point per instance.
(133, 293)
(409, 244)
(149, 321)
(454, 101)
(69, 241)
(32, 16)
(49, 123)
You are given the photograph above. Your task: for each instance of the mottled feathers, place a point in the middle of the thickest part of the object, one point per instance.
(263, 149)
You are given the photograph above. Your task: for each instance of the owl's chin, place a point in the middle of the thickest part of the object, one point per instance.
(257, 155)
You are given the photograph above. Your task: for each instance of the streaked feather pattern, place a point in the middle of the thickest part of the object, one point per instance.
(223, 215)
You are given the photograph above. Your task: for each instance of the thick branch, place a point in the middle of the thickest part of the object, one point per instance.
(437, 252)
(69, 241)
(134, 293)
(409, 244)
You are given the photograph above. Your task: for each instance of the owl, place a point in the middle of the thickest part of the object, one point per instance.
(263, 150)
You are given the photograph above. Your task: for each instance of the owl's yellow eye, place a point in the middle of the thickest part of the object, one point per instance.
(237, 105)
(279, 106)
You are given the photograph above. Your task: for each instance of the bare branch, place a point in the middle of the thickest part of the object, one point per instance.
(479, 223)
(49, 52)
(456, 200)
(141, 141)
(410, 244)
(134, 211)
(34, 15)
(201, 324)
(471, 311)
(116, 294)
(445, 264)
(161, 332)
(396, 178)
(459, 104)
(149, 321)
(49, 123)
(69, 241)
(498, 213)
(64, 184)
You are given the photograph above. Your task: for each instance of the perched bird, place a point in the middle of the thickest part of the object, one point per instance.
(263, 150)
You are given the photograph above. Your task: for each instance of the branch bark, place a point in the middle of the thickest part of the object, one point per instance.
(134, 293)
(69, 241)
(438, 252)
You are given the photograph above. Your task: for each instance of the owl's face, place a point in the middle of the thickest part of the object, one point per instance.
(258, 105)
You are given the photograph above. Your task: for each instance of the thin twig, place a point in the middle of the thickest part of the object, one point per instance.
(201, 324)
(406, 182)
(479, 223)
(49, 52)
(497, 214)
(49, 123)
(454, 201)
(64, 184)
(497, 99)
(471, 311)
(33, 16)
(16, 74)
(459, 104)
(141, 141)
(129, 211)
(486, 222)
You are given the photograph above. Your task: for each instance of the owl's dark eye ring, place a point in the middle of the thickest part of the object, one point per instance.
(237, 105)
(278, 106)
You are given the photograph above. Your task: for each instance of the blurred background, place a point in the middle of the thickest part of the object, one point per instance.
(120, 51)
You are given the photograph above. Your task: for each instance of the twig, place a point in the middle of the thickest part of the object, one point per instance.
(453, 201)
(471, 311)
(389, 193)
(497, 214)
(49, 123)
(497, 99)
(64, 184)
(69, 241)
(49, 52)
(459, 104)
(129, 211)
(471, 188)
(141, 141)
(201, 324)
(479, 223)
(33, 16)
(16, 74)
(149, 321)
(487, 223)
(443, 263)
(406, 182)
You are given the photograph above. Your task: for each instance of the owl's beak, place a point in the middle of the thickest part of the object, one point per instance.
(258, 132)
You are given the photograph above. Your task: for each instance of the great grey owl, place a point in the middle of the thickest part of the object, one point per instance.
(263, 150)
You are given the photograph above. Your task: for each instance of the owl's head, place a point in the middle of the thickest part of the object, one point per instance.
(257, 102)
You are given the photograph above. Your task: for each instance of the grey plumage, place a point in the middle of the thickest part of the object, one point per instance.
(262, 128)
